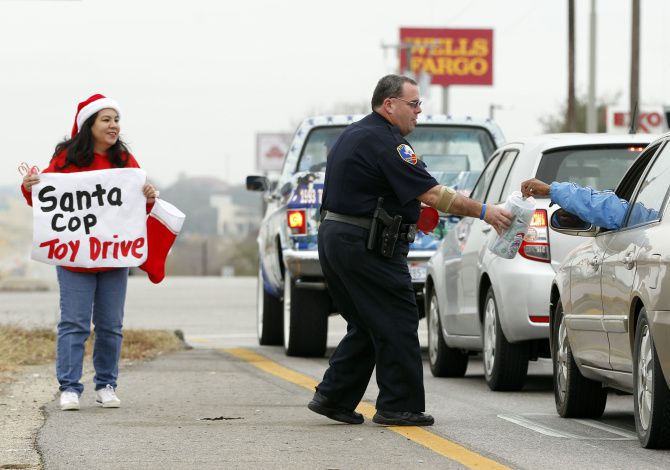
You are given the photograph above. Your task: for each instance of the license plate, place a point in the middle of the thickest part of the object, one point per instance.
(417, 271)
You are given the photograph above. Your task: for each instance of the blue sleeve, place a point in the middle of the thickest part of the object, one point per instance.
(601, 208)
(640, 214)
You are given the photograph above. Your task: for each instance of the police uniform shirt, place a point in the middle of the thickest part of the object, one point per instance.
(372, 159)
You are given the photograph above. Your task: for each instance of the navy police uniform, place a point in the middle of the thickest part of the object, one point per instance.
(373, 293)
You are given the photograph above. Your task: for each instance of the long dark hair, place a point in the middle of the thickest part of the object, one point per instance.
(80, 148)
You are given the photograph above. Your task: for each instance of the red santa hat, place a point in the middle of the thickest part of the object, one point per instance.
(89, 107)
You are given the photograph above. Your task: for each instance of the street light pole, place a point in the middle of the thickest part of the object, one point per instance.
(591, 115)
(571, 114)
(635, 64)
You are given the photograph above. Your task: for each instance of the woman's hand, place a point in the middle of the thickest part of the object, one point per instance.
(30, 180)
(150, 192)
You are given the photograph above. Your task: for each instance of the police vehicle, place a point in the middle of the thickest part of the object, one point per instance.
(293, 304)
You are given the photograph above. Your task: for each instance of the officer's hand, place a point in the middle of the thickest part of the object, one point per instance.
(30, 180)
(534, 187)
(500, 219)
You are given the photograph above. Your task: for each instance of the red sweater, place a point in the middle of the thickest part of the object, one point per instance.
(100, 162)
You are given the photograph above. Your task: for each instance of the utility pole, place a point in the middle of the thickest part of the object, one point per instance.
(492, 108)
(406, 48)
(571, 114)
(635, 64)
(591, 111)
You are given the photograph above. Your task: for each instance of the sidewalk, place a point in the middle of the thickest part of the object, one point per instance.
(206, 409)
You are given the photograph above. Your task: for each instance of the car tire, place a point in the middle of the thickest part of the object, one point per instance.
(444, 361)
(269, 316)
(305, 320)
(505, 363)
(575, 395)
(652, 397)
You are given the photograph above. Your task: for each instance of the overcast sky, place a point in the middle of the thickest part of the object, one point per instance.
(196, 79)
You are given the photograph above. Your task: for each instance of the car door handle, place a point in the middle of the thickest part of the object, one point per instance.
(461, 236)
(486, 229)
(628, 261)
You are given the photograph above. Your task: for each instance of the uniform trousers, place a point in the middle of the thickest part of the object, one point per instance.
(374, 294)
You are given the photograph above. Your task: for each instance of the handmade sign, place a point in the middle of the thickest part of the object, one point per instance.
(90, 219)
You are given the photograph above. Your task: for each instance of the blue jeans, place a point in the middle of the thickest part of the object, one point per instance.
(99, 296)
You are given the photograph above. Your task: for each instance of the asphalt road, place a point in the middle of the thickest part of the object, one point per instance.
(215, 407)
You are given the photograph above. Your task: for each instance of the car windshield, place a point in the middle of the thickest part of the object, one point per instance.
(450, 152)
(599, 168)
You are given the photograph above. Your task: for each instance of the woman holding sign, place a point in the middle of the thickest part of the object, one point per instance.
(87, 294)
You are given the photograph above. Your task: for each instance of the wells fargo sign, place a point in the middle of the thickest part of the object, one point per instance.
(450, 56)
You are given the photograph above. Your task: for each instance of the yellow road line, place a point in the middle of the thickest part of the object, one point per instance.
(437, 444)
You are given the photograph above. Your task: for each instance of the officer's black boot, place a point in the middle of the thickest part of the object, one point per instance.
(402, 418)
(322, 405)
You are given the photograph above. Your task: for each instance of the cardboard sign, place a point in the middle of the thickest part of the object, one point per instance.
(90, 219)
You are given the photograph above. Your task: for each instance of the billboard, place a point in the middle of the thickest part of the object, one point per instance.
(270, 150)
(651, 120)
(450, 56)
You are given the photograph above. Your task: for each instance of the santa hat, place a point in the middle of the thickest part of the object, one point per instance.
(163, 225)
(89, 107)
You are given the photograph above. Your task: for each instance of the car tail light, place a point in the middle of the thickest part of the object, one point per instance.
(297, 222)
(535, 245)
(538, 318)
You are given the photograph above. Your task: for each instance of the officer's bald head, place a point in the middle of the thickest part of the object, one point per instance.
(389, 86)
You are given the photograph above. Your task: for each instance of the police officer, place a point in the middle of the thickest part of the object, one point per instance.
(372, 290)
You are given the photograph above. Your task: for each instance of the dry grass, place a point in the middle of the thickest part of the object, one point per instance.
(23, 347)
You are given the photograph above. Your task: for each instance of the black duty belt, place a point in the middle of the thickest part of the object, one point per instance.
(406, 232)
(363, 222)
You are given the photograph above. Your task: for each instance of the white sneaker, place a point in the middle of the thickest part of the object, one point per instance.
(107, 397)
(69, 400)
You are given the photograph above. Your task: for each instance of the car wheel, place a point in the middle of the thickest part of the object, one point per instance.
(269, 316)
(652, 397)
(305, 320)
(505, 363)
(444, 361)
(575, 395)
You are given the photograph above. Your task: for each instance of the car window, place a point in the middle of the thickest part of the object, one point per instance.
(501, 179)
(629, 181)
(482, 184)
(449, 151)
(316, 148)
(651, 195)
(600, 167)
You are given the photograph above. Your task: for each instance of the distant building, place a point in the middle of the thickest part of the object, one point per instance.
(215, 208)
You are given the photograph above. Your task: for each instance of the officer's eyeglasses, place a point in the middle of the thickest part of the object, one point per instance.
(413, 104)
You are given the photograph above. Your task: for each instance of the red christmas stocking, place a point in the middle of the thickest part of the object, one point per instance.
(163, 225)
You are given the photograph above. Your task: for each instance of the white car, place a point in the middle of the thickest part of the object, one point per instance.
(477, 301)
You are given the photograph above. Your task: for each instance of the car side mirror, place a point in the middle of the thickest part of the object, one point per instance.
(257, 183)
(565, 222)
(286, 189)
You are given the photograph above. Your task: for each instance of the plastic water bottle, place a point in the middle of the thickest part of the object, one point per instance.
(507, 244)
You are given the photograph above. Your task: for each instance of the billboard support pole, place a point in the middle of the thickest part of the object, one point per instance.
(445, 99)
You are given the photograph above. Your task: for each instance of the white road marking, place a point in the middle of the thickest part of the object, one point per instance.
(608, 428)
(523, 421)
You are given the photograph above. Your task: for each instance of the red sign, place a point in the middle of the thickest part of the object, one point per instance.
(450, 56)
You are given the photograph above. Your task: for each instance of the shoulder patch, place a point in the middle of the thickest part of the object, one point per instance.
(407, 154)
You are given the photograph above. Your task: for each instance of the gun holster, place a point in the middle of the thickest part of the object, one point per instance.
(384, 231)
